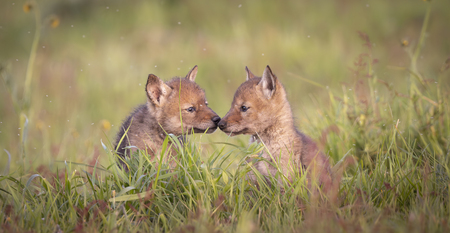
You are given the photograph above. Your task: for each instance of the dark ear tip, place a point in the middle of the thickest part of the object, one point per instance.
(192, 73)
(152, 78)
(268, 68)
(246, 68)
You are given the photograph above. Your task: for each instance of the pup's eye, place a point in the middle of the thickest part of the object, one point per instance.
(191, 109)
(244, 108)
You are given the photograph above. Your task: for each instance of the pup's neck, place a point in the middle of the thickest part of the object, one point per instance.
(154, 126)
(282, 130)
(150, 122)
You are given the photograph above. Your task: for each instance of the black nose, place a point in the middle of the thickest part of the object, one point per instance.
(216, 119)
(222, 125)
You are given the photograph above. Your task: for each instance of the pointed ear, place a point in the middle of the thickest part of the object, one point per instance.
(157, 90)
(268, 83)
(250, 75)
(191, 75)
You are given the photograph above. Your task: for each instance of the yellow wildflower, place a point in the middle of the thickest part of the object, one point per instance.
(362, 119)
(54, 21)
(105, 124)
(40, 125)
(27, 7)
(405, 43)
(75, 133)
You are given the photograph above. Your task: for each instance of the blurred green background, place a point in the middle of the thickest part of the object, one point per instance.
(93, 58)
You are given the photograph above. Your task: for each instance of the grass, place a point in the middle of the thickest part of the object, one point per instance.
(386, 126)
(394, 178)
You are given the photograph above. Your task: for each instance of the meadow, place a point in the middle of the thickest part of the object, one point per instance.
(368, 80)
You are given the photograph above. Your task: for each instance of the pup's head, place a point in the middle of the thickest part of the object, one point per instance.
(258, 103)
(180, 105)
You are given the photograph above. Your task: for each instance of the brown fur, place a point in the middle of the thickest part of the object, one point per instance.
(150, 122)
(269, 120)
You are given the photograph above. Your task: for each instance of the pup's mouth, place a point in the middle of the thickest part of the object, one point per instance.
(208, 130)
(234, 133)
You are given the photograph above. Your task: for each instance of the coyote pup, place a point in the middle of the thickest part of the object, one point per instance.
(260, 108)
(150, 122)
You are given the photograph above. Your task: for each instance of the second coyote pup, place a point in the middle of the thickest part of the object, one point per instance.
(260, 108)
(167, 102)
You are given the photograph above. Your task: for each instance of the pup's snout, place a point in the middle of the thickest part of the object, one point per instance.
(222, 125)
(216, 119)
